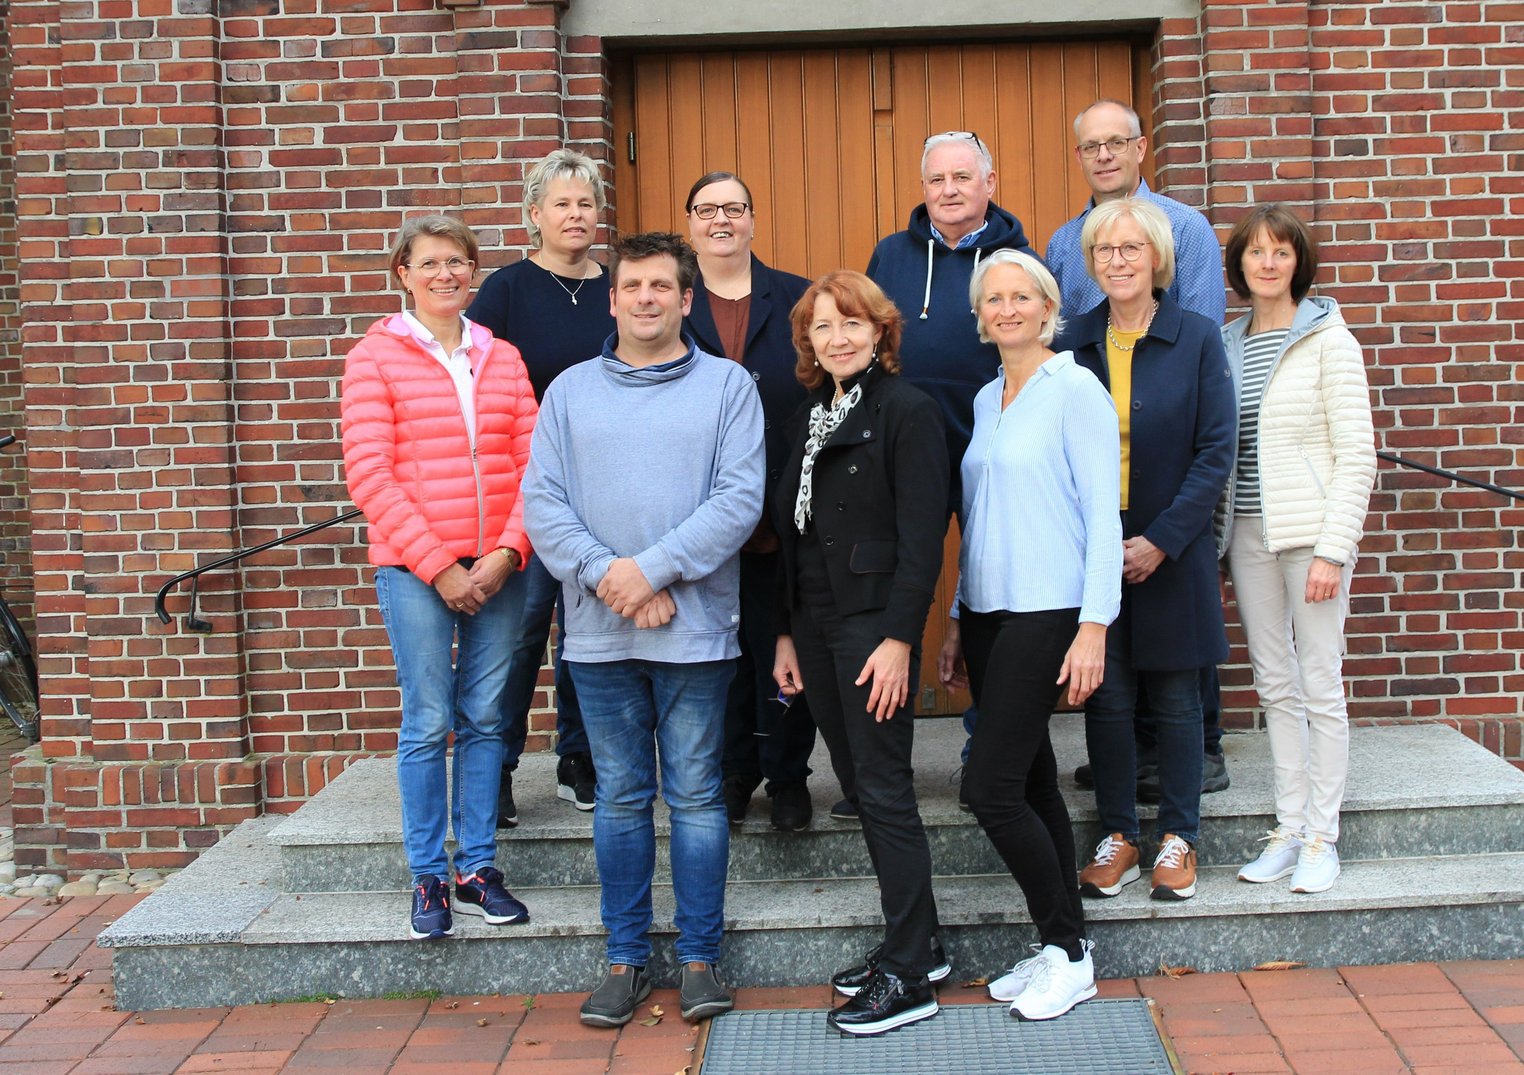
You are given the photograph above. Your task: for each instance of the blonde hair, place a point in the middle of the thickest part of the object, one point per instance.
(1149, 218)
(1041, 279)
(559, 164)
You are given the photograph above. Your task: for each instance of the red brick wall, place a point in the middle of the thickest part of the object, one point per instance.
(15, 530)
(205, 205)
(1394, 127)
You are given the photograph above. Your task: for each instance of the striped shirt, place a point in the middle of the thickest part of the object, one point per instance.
(1260, 352)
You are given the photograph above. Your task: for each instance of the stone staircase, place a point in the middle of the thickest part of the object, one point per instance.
(317, 902)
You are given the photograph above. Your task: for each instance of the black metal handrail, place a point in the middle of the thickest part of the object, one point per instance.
(1440, 472)
(192, 621)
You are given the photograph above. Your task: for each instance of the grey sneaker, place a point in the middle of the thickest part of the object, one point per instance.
(614, 1002)
(701, 994)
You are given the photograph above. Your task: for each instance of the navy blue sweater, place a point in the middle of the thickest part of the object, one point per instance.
(529, 307)
(941, 353)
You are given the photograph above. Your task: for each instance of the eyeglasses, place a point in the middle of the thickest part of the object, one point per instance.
(706, 210)
(1130, 252)
(430, 266)
(1091, 150)
(968, 136)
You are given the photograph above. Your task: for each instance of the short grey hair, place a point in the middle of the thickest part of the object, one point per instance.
(1041, 279)
(960, 138)
(1135, 124)
(559, 164)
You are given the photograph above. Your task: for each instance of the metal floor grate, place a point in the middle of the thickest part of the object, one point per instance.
(1099, 1037)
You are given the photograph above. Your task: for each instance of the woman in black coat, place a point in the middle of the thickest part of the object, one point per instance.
(860, 513)
(741, 310)
(1168, 375)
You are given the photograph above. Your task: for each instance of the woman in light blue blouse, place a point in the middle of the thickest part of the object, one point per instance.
(1040, 581)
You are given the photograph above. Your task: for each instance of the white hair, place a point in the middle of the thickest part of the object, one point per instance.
(961, 138)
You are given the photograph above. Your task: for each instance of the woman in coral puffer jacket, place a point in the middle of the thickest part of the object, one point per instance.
(437, 419)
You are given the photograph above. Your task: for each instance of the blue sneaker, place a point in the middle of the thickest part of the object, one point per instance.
(483, 894)
(431, 910)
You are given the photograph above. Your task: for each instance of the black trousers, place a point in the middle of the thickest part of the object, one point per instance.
(762, 738)
(1011, 780)
(873, 760)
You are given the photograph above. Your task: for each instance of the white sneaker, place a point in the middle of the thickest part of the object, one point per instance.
(1317, 867)
(1055, 985)
(1009, 986)
(1277, 860)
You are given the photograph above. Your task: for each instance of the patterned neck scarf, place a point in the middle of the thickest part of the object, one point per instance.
(823, 422)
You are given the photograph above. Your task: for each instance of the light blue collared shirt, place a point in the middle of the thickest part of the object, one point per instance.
(968, 240)
(1198, 284)
(1042, 497)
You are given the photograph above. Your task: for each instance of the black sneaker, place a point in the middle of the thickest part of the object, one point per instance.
(738, 790)
(614, 1002)
(507, 809)
(845, 810)
(575, 780)
(701, 994)
(1084, 776)
(848, 982)
(883, 1003)
(482, 894)
(957, 778)
(431, 910)
(792, 808)
(1214, 773)
(1214, 777)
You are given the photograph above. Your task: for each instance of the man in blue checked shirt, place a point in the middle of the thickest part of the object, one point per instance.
(1110, 144)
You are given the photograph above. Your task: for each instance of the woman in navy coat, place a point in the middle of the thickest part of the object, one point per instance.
(1168, 375)
(741, 311)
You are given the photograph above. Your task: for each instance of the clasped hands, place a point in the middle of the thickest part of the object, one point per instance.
(626, 590)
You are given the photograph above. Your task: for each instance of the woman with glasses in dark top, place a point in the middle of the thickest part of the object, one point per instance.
(741, 311)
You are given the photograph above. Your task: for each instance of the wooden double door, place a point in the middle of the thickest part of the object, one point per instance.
(829, 140)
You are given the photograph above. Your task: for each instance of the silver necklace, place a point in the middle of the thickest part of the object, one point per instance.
(569, 290)
(1111, 336)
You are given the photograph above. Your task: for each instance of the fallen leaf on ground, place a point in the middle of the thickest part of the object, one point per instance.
(651, 1021)
(656, 1010)
(481, 1022)
(1174, 972)
(975, 983)
(1280, 964)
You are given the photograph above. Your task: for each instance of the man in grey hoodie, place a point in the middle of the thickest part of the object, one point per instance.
(645, 478)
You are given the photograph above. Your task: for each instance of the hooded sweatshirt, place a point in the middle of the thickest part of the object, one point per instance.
(663, 464)
(941, 353)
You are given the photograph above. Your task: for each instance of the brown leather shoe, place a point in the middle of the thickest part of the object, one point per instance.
(1174, 876)
(1115, 864)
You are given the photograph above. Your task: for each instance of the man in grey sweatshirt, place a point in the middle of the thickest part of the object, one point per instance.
(645, 478)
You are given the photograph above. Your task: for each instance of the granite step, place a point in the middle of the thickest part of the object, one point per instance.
(222, 932)
(1413, 791)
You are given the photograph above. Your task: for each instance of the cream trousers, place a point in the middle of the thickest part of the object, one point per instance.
(1297, 650)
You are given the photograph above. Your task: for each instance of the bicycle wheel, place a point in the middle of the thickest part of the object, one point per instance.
(18, 674)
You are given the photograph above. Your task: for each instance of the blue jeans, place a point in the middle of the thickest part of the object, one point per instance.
(1175, 698)
(440, 693)
(542, 596)
(636, 712)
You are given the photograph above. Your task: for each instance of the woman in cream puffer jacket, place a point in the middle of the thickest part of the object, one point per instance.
(1292, 518)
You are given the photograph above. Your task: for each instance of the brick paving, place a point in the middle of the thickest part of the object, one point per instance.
(57, 1016)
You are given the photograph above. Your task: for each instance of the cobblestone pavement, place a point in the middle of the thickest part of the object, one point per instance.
(57, 1016)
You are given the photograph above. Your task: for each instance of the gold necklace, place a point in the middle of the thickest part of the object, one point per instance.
(1111, 336)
